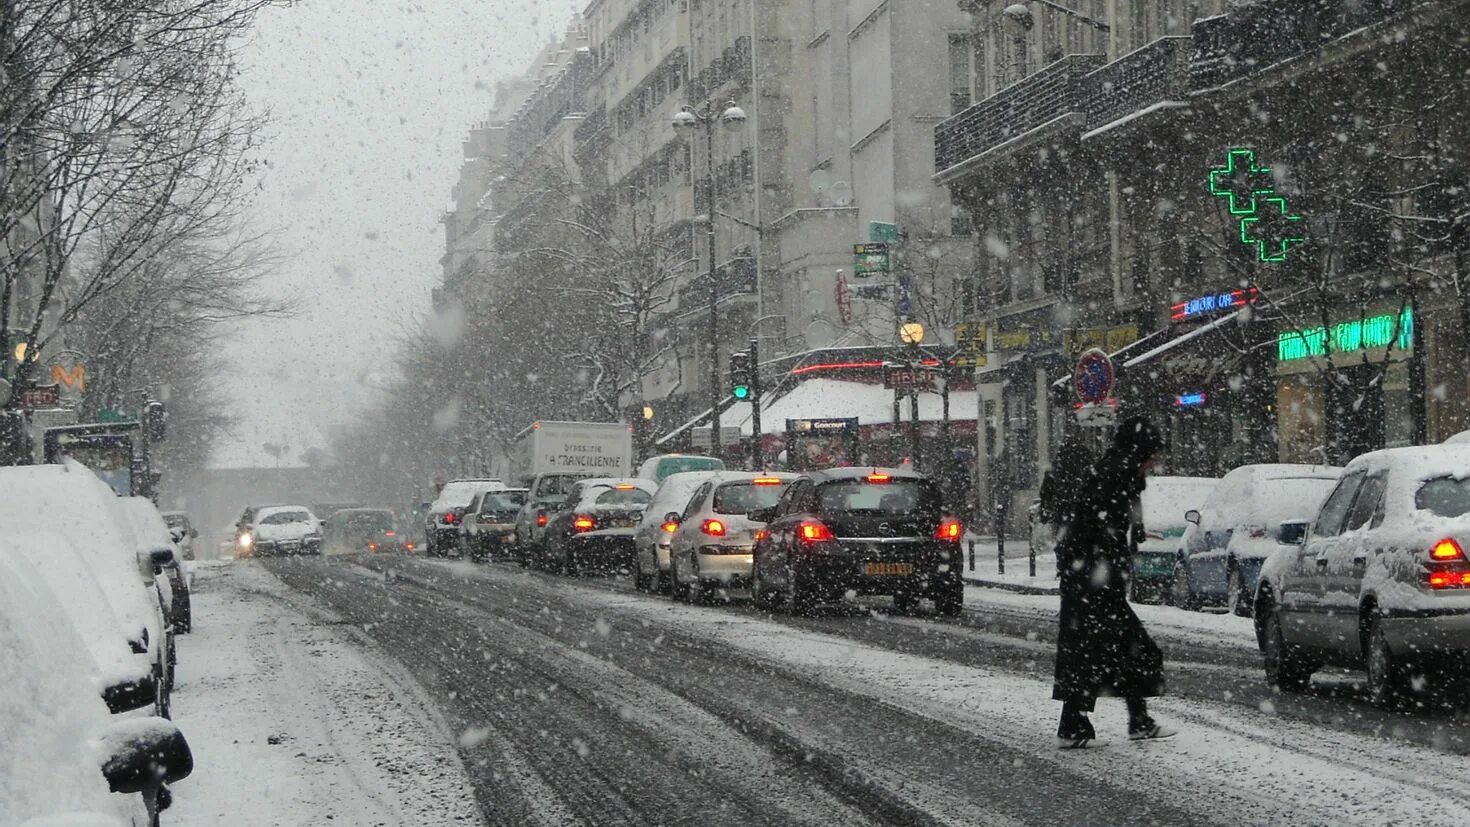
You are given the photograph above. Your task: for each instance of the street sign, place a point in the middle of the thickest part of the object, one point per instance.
(1093, 376)
(910, 378)
(873, 291)
(969, 344)
(1110, 339)
(1097, 414)
(40, 396)
(68, 371)
(869, 259)
(729, 435)
(116, 415)
(884, 231)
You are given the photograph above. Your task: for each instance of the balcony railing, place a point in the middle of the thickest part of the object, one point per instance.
(1146, 76)
(736, 278)
(1230, 46)
(1057, 90)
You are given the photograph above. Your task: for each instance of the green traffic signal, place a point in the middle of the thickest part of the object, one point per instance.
(740, 391)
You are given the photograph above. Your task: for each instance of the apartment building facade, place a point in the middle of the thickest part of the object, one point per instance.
(1252, 206)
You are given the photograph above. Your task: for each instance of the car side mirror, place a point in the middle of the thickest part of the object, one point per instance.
(161, 557)
(130, 693)
(144, 753)
(321, 523)
(1293, 533)
(1191, 516)
(762, 515)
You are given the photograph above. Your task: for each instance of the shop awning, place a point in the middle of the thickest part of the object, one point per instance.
(1149, 355)
(872, 405)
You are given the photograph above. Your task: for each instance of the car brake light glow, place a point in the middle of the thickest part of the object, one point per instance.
(623, 486)
(541, 519)
(582, 522)
(1445, 550)
(1449, 579)
(879, 478)
(950, 530)
(766, 481)
(372, 546)
(450, 517)
(408, 546)
(812, 531)
(761, 534)
(670, 527)
(713, 528)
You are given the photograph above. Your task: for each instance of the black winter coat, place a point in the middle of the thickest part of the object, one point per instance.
(1102, 647)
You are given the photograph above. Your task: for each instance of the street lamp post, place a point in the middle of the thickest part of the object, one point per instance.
(733, 118)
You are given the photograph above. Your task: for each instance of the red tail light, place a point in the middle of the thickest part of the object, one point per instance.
(450, 518)
(372, 546)
(541, 519)
(761, 534)
(766, 481)
(583, 522)
(1449, 579)
(670, 527)
(813, 531)
(409, 546)
(390, 534)
(879, 478)
(1446, 550)
(713, 528)
(950, 531)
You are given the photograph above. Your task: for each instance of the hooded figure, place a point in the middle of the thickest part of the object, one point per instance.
(1063, 486)
(1102, 647)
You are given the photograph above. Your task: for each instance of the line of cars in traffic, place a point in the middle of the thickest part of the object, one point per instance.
(93, 589)
(798, 540)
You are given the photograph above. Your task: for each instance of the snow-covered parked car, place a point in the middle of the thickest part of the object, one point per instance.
(285, 529)
(1165, 501)
(65, 759)
(1382, 581)
(181, 526)
(1462, 438)
(1239, 526)
(69, 501)
(154, 537)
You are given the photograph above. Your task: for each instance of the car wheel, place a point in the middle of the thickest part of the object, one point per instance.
(1236, 600)
(1285, 668)
(799, 598)
(677, 588)
(569, 562)
(760, 594)
(1388, 684)
(1181, 593)
(640, 580)
(950, 604)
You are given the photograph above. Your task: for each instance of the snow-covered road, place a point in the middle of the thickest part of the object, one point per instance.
(583, 702)
(296, 719)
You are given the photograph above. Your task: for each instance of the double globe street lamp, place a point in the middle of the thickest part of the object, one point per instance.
(686, 120)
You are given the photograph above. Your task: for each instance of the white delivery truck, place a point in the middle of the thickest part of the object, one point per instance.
(551, 456)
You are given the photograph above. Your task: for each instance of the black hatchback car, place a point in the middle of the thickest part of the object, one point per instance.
(871, 531)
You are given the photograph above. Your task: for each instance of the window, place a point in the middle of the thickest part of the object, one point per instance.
(898, 498)
(1369, 502)
(286, 518)
(696, 502)
(744, 497)
(1444, 496)
(959, 71)
(624, 496)
(1335, 510)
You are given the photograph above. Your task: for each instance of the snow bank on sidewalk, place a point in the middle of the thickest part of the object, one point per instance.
(293, 721)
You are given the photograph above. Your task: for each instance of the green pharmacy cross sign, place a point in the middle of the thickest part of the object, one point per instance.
(1266, 220)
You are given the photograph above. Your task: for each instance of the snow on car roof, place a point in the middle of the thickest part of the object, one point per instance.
(149, 528)
(1166, 498)
(277, 509)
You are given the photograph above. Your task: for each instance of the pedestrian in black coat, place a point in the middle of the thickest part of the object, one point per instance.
(1102, 647)
(1063, 487)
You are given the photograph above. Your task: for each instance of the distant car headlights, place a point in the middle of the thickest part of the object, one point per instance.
(246, 540)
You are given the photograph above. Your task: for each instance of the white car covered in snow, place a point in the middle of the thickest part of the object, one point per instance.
(63, 752)
(284, 529)
(91, 543)
(1382, 581)
(1239, 526)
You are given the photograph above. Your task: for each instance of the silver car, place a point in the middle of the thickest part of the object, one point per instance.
(1381, 580)
(656, 530)
(712, 545)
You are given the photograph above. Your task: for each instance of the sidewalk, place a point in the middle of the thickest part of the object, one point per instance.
(1017, 575)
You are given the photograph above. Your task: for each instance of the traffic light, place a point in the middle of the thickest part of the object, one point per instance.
(740, 375)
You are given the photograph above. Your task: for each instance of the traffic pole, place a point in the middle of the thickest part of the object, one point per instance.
(757, 450)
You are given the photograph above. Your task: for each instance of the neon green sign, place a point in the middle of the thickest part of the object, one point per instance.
(1266, 221)
(1348, 337)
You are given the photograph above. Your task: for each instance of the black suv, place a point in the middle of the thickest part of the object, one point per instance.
(870, 531)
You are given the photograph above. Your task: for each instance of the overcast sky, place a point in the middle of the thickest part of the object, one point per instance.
(369, 100)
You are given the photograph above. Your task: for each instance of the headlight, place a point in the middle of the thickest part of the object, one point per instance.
(246, 540)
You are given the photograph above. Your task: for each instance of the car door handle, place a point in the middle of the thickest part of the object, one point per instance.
(1321, 562)
(1360, 560)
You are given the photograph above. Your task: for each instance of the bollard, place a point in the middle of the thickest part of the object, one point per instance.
(1000, 554)
(972, 555)
(1033, 560)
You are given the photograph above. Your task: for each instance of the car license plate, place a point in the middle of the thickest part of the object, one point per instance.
(627, 522)
(888, 569)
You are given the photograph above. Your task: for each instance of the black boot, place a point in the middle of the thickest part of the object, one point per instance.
(1141, 725)
(1074, 731)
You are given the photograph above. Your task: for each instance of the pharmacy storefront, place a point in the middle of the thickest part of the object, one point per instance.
(1344, 389)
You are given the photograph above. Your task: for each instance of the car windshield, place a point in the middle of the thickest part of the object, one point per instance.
(623, 496)
(285, 518)
(503, 502)
(556, 486)
(176, 520)
(894, 497)
(370, 520)
(1444, 496)
(745, 497)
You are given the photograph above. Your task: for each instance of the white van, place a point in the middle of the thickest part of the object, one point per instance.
(661, 466)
